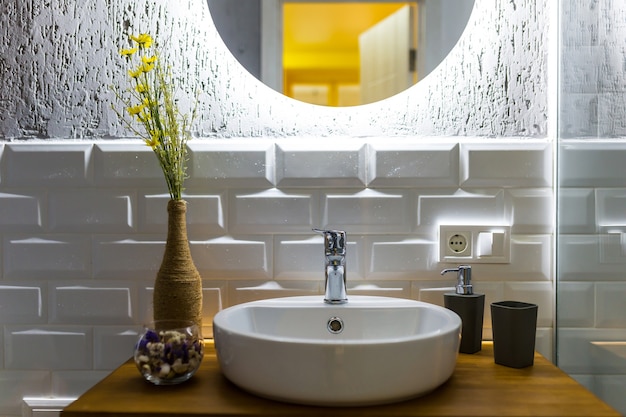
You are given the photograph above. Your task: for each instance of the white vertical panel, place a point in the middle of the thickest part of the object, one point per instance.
(384, 49)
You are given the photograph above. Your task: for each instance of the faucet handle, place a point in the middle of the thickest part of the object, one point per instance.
(334, 241)
(464, 279)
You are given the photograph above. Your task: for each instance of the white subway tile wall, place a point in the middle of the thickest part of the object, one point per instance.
(82, 229)
(591, 254)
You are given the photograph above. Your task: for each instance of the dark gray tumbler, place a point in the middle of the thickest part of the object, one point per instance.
(514, 325)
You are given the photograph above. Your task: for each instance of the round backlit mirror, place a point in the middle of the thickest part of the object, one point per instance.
(340, 52)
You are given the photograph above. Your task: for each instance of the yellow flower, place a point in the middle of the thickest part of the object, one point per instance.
(143, 40)
(146, 67)
(134, 110)
(128, 52)
(148, 60)
(153, 142)
(141, 88)
(143, 117)
(135, 73)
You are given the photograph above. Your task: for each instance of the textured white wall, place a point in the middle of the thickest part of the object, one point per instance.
(592, 76)
(59, 57)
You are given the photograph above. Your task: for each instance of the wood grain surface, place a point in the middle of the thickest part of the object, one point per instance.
(478, 387)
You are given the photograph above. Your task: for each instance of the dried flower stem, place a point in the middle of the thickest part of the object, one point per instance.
(151, 102)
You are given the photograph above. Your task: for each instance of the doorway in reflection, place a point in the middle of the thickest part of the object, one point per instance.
(346, 54)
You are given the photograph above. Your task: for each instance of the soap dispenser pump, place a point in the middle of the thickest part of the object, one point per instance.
(469, 306)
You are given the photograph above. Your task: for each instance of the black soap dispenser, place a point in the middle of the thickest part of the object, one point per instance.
(469, 306)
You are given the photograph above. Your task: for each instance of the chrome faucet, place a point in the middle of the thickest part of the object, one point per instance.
(335, 266)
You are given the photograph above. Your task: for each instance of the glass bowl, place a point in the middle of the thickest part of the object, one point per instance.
(169, 352)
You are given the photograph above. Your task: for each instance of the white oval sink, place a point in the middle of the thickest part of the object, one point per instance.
(372, 350)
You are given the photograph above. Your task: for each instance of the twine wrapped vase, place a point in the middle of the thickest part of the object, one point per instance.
(178, 285)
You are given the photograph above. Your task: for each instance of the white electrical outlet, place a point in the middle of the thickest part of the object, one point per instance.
(477, 244)
(458, 244)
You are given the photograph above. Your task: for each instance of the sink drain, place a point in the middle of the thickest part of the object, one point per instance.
(334, 325)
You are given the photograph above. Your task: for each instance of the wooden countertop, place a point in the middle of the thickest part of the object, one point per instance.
(478, 387)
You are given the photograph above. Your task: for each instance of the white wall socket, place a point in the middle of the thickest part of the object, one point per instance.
(476, 244)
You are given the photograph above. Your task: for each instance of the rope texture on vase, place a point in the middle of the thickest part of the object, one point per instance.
(178, 285)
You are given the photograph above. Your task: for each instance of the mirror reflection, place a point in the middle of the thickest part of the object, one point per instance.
(340, 52)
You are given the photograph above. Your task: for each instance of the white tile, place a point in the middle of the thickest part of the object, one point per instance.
(299, 257)
(116, 257)
(145, 294)
(539, 293)
(397, 289)
(506, 164)
(48, 347)
(395, 259)
(273, 211)
(610, 388)
(544, 343)
(58, 256)
(45, 165)
(75, 383)
(206, 214)
(22, 212)
(592, 164)
(331, 163)
(611, 207)
(609, 354)
(587, 381)
(531, 258)
(612, 245)
(121, 162)
(302, 257)
(577, 211)
(395, 164)
(23, 302)
(432, 295)
(609, 301)
(214, 298)
(532, 210)
(576, 304)
(591, 350)
(241, 257)
(86, 303)
(245, 291)
(590, 258)
(44, 406)
(231, 163)
(484, 208)
(368, 211)
(15, 385)
(113, 345)
(91, 210)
